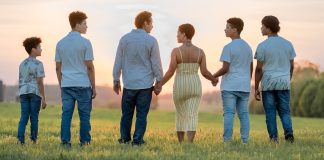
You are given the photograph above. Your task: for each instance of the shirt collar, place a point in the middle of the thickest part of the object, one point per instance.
(74, 33)
(139, 30)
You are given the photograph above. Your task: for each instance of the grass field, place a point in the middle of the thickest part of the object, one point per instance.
(160, 137)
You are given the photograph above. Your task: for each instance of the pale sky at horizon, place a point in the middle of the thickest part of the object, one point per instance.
(302, 23)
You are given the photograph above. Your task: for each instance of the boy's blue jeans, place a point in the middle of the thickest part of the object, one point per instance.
(30, 106)
(236, 101)
(273, 102)
(83, 96)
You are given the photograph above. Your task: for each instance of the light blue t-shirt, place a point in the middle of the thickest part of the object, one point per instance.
(275, 53)
(29, 70)
(72, 51)
(239, 55)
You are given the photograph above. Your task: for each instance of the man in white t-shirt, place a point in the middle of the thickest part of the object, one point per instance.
(275, 65)
(236, 77)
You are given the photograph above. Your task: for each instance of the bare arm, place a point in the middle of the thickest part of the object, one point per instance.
(291, 68)
(258, 77)
(172, 68)
(91, 74)
(204, 71)
(223, 70)
(58, 72)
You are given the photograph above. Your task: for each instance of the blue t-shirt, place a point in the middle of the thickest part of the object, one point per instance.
(29, 70)
(239, 55)
(72, 51)
(275, 53)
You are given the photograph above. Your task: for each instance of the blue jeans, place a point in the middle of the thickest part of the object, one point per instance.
(140, 98)
(30, 106)
(236, 100)
(83, 96)
(273, 101)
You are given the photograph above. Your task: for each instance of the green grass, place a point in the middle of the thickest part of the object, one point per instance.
(161, 141)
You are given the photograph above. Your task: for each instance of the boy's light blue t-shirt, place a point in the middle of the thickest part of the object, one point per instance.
(275, 53)
(72, 51)
(239, 55)
(29, 70)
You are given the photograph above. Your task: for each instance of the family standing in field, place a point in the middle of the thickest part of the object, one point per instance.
(138, 61)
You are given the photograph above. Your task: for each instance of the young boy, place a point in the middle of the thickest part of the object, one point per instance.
(236, 77)
(31, 89)
(275, 66)
(76, 76)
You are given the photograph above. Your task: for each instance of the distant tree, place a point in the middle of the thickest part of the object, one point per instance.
(317, 108)
(307, 98)
(300, 80)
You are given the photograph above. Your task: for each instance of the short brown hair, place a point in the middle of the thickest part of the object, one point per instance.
(236, 23)
(272, 23)
(76, 17)
(142, 17)
(188, 30)
(30, 43)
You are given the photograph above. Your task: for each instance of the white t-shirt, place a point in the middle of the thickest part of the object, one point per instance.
(275, 53)
(239, 55)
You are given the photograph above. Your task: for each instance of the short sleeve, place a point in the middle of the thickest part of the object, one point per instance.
(40, 70)
(226, 55)
(58, 54)
(88, 53)
(292, 52)
(259, 54)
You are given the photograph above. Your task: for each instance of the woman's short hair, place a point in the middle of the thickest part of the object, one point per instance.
(188, 30)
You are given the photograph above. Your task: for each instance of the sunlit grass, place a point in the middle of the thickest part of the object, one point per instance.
(160, 137)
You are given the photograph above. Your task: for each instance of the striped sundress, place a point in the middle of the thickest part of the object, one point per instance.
(187, 95)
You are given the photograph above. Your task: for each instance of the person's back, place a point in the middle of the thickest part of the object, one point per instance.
(188, 61)
(29, 69)
(276, 53)
(238, 77)
(137, 47)
(72, 51)
(187, 84)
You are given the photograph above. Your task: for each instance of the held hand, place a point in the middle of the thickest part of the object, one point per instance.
(44, 104)
(117, 88)
(257, 95)
(94, 93)
(157, 89)
(215, 81)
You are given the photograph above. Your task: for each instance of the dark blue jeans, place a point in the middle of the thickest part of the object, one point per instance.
(273, 102)
(140, 98)
(30, 106)
(83, 96)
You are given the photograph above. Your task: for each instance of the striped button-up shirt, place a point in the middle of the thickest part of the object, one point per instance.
(138, 60)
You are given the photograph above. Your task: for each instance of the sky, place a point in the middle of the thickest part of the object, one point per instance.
(301, 21)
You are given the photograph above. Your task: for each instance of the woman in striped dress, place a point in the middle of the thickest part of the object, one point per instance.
(186, 60)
